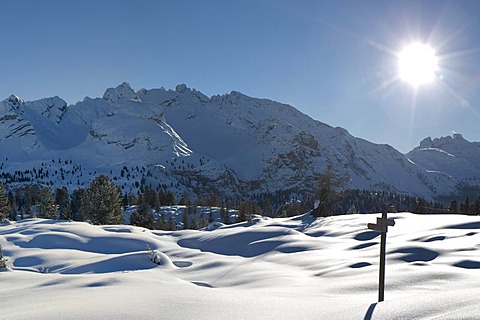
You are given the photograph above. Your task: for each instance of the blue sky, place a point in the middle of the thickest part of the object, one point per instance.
(333, 60)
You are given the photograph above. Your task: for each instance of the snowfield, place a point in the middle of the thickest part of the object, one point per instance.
(291, 268)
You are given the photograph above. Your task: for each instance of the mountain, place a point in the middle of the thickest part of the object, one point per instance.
(453, 156)
(182, 140)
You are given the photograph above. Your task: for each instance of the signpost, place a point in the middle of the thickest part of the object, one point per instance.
(382, 227)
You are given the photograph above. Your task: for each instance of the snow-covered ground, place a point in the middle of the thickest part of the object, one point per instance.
(292, 268)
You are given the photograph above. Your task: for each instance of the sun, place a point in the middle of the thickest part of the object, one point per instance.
(417, 64)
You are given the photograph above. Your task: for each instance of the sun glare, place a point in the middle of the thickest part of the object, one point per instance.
(417, 64)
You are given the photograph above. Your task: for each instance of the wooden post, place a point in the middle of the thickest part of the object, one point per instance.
(381, 273)
(382, 227)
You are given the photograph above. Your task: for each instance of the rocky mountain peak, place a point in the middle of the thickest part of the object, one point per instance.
(13, 101)
(122, 92)
(448, 143)
(187, 92)
(181, 88)
(426, 143)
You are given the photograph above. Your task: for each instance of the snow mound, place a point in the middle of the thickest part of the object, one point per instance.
(300, 267)
(76, 248)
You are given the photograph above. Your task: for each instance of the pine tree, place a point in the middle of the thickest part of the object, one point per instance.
(101, 202)
(161, 224)
(63, 203)
(466, 206)
(142, 217)
(185, 218)
(167, 199)
(132, 200)
(224, 215)
(267, 207)
(4, 204)
(45, 206)
(76, 204)
(3, 261)
(214, 201)
(171, 224)
(476, 206)
(125, 201)
(210, 215)
(203, 222)
(352, 210)
(244, 212)
(453, 207)
(157, 202)
(420, 206)
(11, 203)
(185, 200)
(193, 223)
(327, 193)
(23, 200)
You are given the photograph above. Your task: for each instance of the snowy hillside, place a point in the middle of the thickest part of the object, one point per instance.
(292, 268)
(232, 144)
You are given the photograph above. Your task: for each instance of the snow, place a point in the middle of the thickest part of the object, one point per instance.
(289, 268)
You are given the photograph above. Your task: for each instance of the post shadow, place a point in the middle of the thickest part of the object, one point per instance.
(369, 314)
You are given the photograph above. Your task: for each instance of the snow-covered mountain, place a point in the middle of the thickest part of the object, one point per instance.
(453, 156)
(183, 140)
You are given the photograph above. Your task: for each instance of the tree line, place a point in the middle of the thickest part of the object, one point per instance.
(102, 203)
